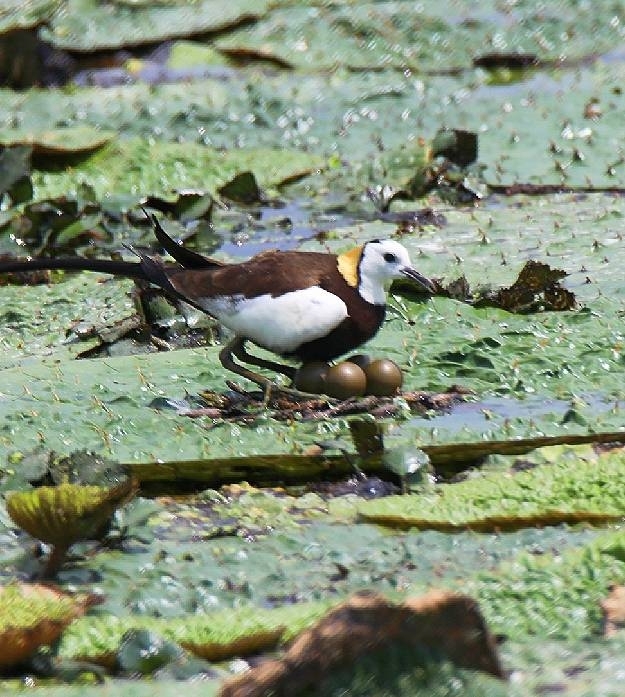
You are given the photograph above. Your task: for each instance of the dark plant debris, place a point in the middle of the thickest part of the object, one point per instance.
(536, 289)
(364, 486)
(23, 278)
(448, 166)
(243, 188)
(512, 60)
(456, 145)
(548, 189)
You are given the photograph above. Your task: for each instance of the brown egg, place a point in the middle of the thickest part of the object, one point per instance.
(384, 378)
(360, 359)
(345, 380)
(310, 377)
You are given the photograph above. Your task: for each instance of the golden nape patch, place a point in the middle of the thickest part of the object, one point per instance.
(348, 265)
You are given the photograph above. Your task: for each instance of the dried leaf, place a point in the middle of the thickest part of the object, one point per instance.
(537, 289)
(613, 611)
(441, 622)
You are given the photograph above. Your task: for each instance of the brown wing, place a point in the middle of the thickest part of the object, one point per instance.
(270, 273)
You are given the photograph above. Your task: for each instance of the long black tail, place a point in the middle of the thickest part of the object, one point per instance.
(185, 257)
(131, 269)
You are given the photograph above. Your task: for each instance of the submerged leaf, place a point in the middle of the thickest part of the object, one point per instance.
(144, 652)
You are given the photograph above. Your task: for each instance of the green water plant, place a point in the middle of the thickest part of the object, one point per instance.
(33, 615)
(548, 494)
(62, 515)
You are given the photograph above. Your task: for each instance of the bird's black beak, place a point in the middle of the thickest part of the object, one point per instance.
(424, 282)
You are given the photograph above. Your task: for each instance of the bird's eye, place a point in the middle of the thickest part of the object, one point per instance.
(390, 257)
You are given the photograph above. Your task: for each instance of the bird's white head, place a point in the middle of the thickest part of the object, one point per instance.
(381, 262)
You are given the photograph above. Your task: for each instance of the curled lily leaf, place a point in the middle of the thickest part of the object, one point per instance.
(64, 514)
(33, 615)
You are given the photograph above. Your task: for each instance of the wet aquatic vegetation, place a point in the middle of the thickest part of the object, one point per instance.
(34, 616)
(62, 515)
(548, 494)
(296, 125)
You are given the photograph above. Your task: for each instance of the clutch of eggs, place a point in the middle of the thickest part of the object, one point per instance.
(357, 376)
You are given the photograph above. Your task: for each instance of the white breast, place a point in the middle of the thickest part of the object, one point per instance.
(283, 323)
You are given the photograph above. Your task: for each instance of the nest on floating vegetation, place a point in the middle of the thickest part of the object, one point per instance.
(239, 405)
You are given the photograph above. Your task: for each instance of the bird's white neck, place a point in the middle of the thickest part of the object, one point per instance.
(373, 291)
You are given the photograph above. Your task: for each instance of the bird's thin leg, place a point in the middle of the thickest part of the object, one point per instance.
(227, 361)
(241, 353)
(236, 347)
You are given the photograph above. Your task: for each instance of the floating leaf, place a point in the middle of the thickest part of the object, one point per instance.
(15, 173)
(89, 25)
(545, 495)
(436, 37)
(16, 14)
(412, 465)
(214, 636)
(136, 166)
(66, 141)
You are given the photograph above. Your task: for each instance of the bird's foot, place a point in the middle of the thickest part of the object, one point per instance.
(270, 389)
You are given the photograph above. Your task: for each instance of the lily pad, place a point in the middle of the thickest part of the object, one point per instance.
(62, 141)
(68, 328)
(17, 15)
(88, 25)
(545, 495)
(396, 34)
(215, 637)
(141, 168)
(555, 588)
